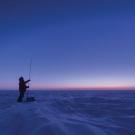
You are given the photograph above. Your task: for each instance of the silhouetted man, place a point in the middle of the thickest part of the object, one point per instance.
(22, 88)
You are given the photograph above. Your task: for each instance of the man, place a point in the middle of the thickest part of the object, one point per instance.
(22, 88)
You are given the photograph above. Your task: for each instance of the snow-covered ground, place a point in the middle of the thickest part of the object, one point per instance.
(68, 113)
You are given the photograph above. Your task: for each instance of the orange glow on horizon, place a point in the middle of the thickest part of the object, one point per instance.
(82, 87)
(70, 87)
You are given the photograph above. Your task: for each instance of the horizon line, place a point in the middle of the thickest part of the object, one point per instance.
(77, 88)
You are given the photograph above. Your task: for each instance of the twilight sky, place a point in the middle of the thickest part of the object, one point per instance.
(73, 43)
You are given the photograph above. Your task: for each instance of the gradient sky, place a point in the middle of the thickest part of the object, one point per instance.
(73, 43)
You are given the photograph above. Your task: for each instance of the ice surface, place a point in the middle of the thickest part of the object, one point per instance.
(68, 113)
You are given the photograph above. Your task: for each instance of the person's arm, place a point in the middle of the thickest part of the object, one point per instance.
(27, 81)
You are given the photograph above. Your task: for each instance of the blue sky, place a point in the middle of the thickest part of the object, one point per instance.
(73, 44)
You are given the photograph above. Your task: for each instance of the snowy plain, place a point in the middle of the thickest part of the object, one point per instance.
(68, 113)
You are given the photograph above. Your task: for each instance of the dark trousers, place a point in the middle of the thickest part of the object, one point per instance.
(21, 96)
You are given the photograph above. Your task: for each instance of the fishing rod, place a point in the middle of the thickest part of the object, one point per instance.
(30, 67)
(30, 98)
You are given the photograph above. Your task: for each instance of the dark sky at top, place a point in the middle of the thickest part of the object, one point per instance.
(73, 43)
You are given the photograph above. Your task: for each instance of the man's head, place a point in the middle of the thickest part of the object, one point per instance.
(21, 79)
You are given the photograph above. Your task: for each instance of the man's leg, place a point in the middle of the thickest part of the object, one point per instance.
(20, 97)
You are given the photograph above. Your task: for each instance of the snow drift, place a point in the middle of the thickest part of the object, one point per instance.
(68, 113)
